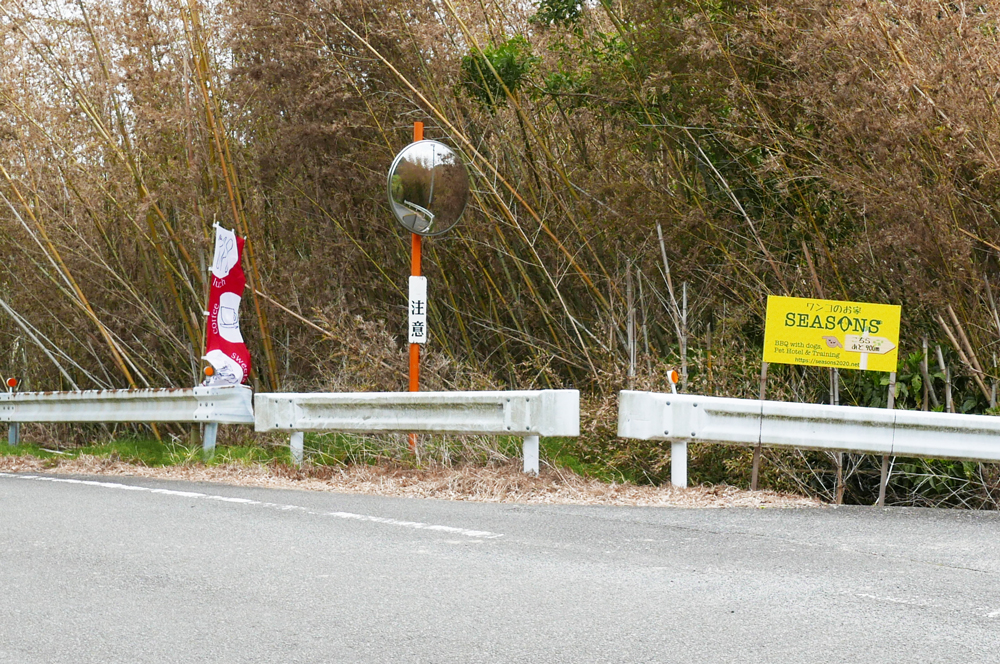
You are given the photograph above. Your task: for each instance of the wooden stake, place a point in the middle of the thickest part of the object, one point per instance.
(892, 391)
(884, 479)
(839, 458)
(630, 327)
(993, 387)
(946, 370)
(684, 338)
(925, 372)
(763, 380)
(755, 472)
(708, 361)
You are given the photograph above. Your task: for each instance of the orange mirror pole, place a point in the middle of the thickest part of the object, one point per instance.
(14, 428)
(418, 135)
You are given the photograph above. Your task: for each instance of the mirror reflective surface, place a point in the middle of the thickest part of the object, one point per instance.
(428, 187)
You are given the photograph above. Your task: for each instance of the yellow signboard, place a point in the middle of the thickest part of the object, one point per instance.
(830, 333)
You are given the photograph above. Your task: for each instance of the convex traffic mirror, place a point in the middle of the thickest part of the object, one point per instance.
(428, 187)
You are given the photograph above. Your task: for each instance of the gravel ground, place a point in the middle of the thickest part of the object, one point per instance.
(473, 483)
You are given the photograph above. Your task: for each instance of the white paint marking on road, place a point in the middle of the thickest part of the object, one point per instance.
(182, 494)
(893, 600)
(415, 525)
(994, 614)
(227, 499)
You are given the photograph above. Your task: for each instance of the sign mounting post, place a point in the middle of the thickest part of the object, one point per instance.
(428, 189)
(415, 259)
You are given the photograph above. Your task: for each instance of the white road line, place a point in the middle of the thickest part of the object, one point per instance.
(894, 600)
(415, 525)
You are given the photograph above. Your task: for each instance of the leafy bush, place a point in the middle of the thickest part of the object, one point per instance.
(489, 75)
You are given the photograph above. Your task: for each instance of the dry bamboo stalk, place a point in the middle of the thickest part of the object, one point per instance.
(486, 165)
(812, 271)
(993, 385)
(976, 374)
(229, 176)
(23, 325)
(65, 272)
(684, 338)
(925, 372)
(993, 304)
(946, 370)
(675, 311)
(456, 310)
(708, 360)
(743, 213)
(126, 155)
(129, 151)
(526, 121)
(645, 330)
(63, 354)
(965, 340)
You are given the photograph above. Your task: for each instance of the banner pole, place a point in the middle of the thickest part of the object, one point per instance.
(415, 257)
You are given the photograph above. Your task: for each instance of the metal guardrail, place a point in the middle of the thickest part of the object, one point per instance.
(229, 404)
(528, 414)
(686, 418)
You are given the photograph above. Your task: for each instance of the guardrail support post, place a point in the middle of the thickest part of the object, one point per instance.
(679, 464)
(297, 447)
(208, 440)
(14, 433)
(530, 451)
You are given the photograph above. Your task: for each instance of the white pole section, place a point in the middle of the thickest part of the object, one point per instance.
(679, 464)
(14, 434)
(530, 448)
(208, 440)
(297, 446)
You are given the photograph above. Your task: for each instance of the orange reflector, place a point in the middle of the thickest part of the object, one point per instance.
(12, 382)
(674, 376)
(210, 370)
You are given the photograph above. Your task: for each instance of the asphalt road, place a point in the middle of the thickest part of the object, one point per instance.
(127, 570)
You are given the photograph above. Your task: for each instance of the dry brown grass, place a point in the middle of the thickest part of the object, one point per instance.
(498, 484)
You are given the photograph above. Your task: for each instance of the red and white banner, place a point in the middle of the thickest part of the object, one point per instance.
(224, 347)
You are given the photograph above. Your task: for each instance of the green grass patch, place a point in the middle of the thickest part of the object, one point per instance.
(564, 453)
(330, 449)
(151, 452)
